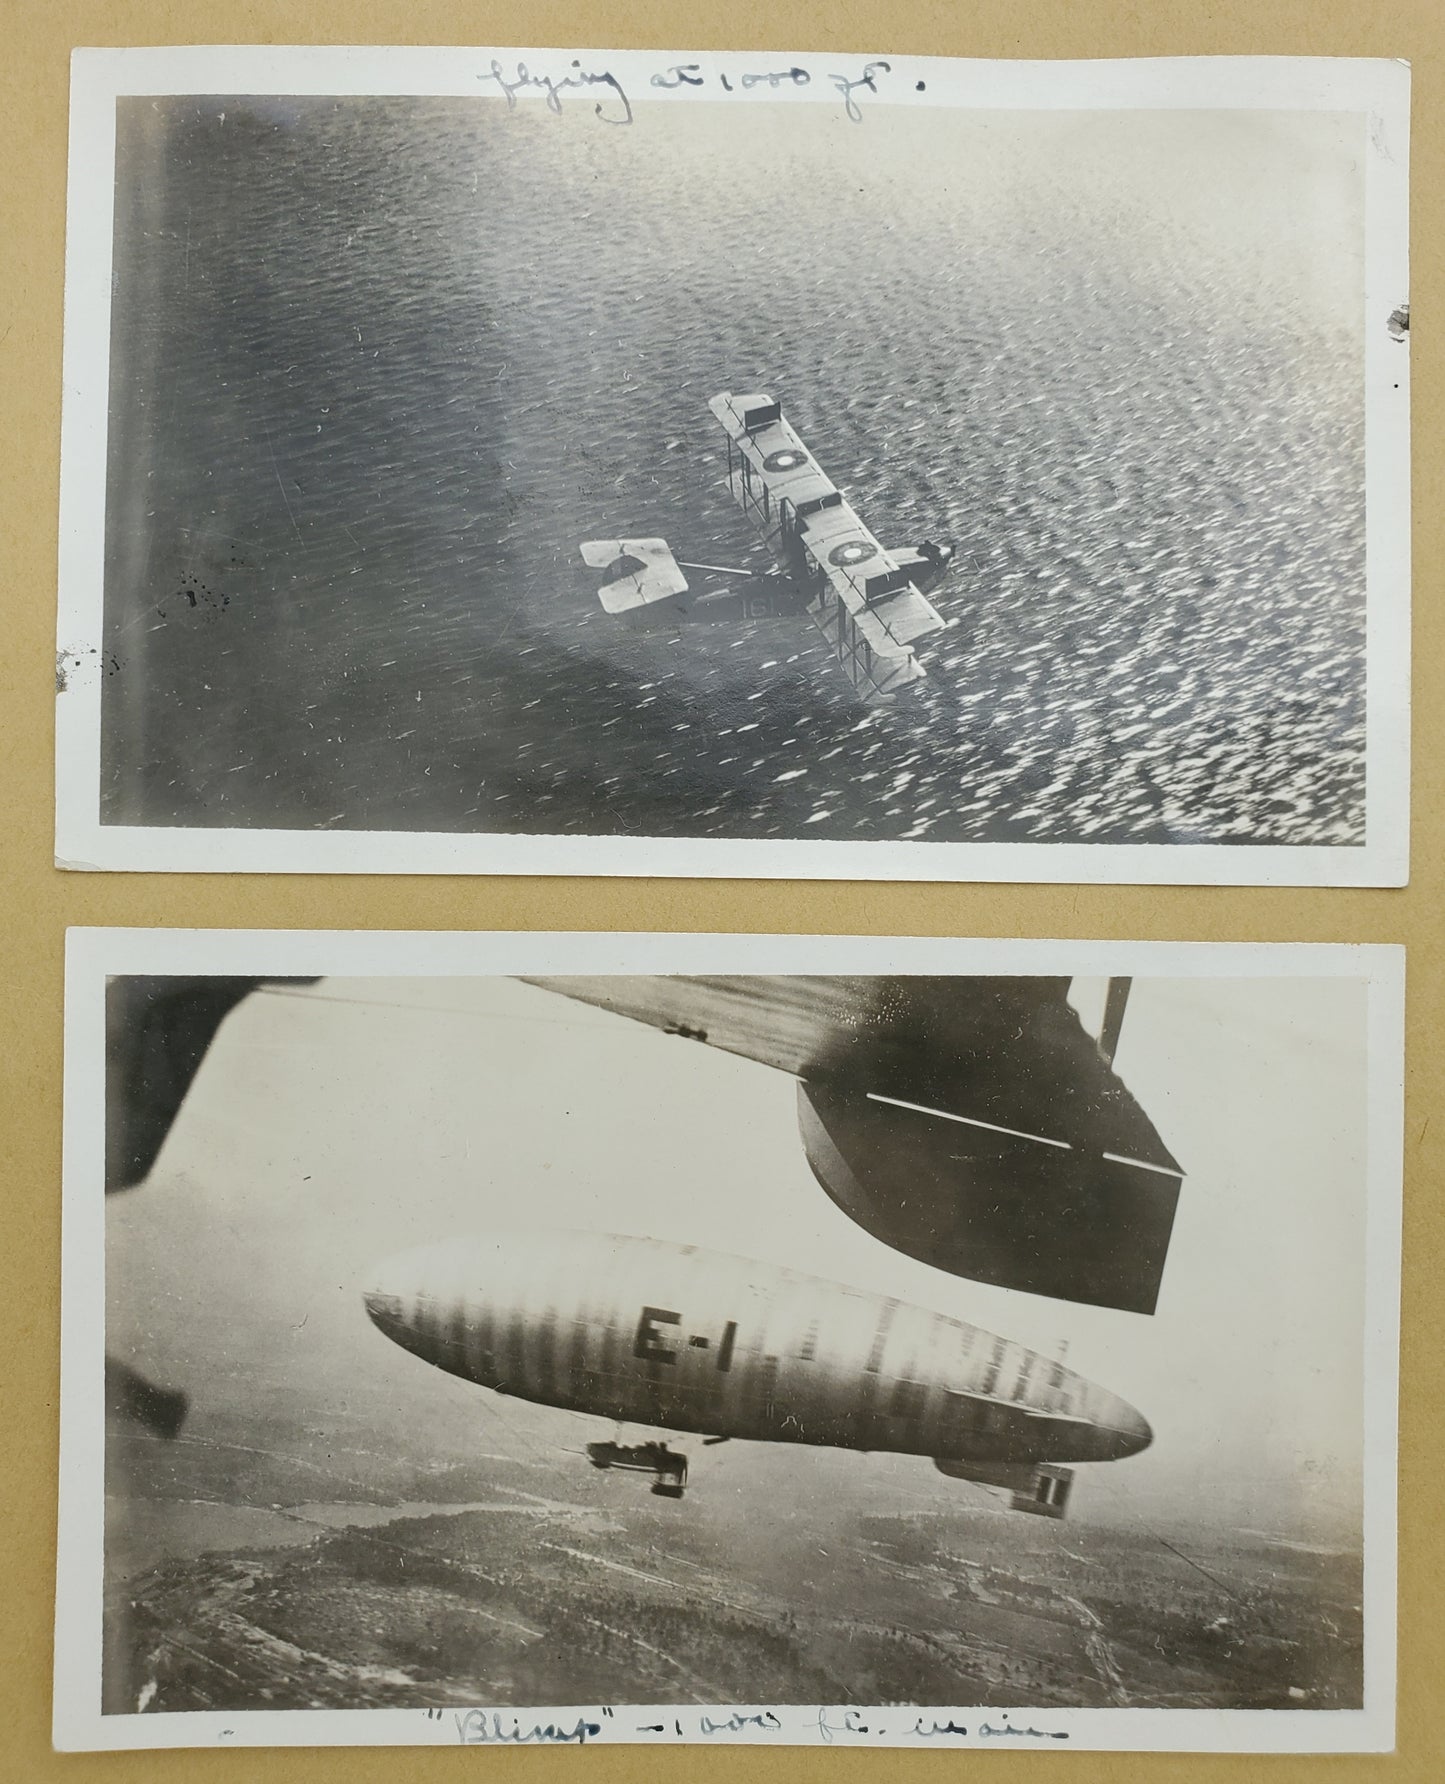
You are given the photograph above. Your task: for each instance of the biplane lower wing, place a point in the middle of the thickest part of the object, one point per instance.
(972, 1123)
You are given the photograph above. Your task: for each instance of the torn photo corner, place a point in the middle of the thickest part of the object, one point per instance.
(722, 464)
(577, 1339)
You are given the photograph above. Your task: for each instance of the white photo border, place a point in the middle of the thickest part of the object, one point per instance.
(93, 955)
(1378, 90)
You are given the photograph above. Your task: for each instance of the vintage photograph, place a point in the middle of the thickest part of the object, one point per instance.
(736, 466)
(978, 1348)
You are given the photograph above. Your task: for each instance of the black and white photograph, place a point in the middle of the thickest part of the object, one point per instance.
(821, 466)
(538, 1339)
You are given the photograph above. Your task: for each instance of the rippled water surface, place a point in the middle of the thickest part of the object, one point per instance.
(380, 365)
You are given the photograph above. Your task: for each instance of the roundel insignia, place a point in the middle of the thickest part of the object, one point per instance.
(855, 551)
(787, 460)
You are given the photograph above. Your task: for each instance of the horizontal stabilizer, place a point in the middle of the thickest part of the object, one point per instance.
(636, 572)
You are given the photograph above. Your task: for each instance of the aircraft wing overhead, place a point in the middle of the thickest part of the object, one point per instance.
(790, 1022)
(158, 1029)
(970, 1122)
(1004, 1050)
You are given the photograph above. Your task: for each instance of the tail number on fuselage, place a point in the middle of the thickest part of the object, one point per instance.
(650, 1345)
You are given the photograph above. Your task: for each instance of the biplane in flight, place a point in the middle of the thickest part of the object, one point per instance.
(869, 602)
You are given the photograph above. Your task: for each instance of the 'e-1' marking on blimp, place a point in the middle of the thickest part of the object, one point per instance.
(649, 1333)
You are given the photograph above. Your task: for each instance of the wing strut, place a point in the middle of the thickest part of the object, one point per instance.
(1114, 1006)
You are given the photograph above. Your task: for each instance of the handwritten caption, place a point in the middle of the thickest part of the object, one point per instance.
(612, 105)
(476, 1728)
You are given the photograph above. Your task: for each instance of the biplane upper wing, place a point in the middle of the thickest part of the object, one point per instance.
(971, 1122)
(860, 595)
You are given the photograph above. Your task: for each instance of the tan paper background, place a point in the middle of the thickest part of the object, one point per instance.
(39, 902)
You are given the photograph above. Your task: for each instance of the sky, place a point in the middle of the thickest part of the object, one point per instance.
(331, 1126)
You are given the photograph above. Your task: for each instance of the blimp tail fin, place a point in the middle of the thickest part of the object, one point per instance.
(1041, 1489)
